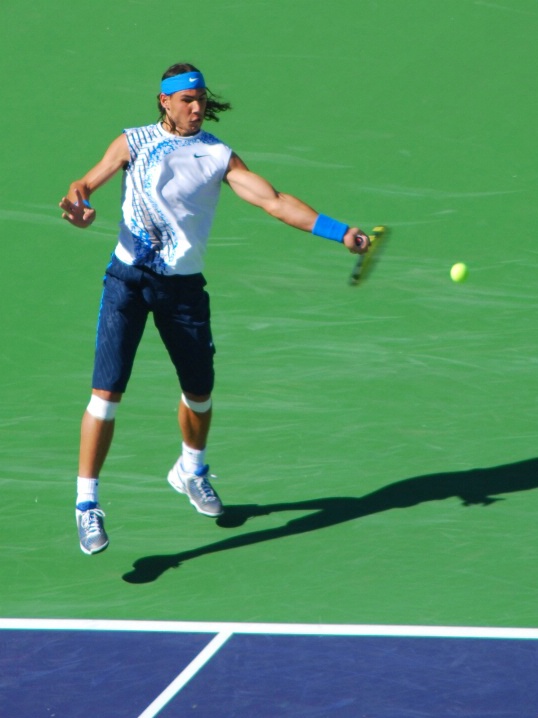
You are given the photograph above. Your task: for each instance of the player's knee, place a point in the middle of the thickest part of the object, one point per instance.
(199, 407)
(101, 408)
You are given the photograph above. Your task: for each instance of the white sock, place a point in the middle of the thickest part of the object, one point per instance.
(191, 459)
(87, 490)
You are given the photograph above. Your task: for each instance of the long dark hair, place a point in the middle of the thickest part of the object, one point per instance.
(213, 106)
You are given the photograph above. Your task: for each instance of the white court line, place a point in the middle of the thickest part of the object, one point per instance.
(287, 629)
(185, 676)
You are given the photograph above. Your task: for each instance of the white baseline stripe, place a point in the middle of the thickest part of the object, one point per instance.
(185, 676)
(288, 629)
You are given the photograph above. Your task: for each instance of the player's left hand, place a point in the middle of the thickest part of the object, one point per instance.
(76, 212)
(356, 241)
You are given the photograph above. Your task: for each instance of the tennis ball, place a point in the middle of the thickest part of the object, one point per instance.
(459, 272)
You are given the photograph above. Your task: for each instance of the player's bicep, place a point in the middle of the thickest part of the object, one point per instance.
(249, 186)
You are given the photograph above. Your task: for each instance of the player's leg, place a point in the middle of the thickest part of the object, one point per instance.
(194, 418)
(122, 318)
(184, 325)
(190, 473)
(96, 432)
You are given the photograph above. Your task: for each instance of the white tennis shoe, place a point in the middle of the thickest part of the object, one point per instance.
(197, 487)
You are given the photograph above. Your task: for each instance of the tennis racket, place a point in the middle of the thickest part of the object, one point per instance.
(366, 262)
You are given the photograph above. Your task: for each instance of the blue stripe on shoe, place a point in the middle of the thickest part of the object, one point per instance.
(87, 505)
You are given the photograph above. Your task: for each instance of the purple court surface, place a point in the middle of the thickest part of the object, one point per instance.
(114, 669)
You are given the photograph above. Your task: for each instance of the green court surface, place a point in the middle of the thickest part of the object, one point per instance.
(376, 444)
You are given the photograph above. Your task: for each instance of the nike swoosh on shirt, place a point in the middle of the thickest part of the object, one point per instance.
(198, 156)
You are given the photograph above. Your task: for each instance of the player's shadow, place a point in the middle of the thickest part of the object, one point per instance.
(475, 487)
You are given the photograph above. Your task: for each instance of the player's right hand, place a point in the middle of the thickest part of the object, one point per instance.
(357, 241)
(76, 211)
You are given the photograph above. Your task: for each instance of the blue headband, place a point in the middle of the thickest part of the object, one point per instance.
(185, 81)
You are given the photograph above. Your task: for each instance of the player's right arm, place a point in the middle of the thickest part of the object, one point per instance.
(73, 204)
(256, 190)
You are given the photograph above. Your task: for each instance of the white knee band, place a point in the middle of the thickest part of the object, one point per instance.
(101, 408)
(200, 407)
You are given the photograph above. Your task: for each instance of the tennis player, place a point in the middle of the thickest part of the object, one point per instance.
(172, 175)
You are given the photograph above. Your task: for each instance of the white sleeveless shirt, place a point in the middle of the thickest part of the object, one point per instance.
(170, 191)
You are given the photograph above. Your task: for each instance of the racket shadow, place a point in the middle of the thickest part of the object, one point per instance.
(475, 487)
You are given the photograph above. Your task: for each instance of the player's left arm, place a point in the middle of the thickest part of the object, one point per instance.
(76, 206)
(257, 191)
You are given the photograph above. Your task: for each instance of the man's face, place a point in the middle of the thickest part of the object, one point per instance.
(185, 110)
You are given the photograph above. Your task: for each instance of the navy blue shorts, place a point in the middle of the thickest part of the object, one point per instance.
(181, 313)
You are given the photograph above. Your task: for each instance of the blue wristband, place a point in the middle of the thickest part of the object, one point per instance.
(330, 228)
